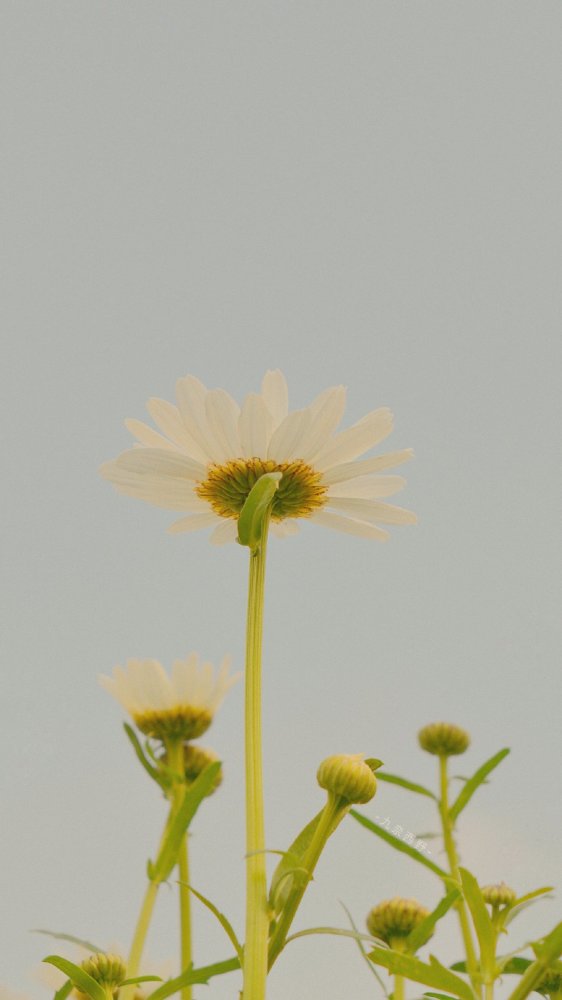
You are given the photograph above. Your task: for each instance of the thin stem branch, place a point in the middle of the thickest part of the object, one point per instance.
(257, 919)
(176, 763)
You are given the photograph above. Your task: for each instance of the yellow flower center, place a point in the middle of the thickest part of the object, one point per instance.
(226, 487)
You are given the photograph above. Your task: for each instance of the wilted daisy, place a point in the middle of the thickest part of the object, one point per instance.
(209, 452)
(180, 706)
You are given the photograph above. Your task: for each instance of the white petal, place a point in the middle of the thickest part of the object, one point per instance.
(349, 470)
(372, 510)
(282, 529)
(368, 487)
(222, 414)
(225, 532)
(194, 522)
(349, 526)
(192, 395)
(154, 462)
(365, 434)
(275, 395)
(327, 411)
(147, 436)
(287, 440)
(166, 416)
(254, 427)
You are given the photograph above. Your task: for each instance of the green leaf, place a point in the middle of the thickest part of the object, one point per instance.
(433, 974)
(364, 954)
(65, 990)
(516, 965)
(223, 921)
(84, 982)
(482, 921)
(524, 901)
(338, 932)
(423, 931)
(547, 951)
(59, 936)
(193, 796)
(394, 779)
(141, 979)
(289, 868)
(139, 753)
(438, 996)
(473, 783)
(255, 511)
(192, 976)
(398, 844)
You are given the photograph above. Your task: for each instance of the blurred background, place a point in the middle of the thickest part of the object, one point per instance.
(363, 193)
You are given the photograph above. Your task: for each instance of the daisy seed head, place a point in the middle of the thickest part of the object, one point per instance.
(393, 919)
(180, 706)
(107, 970)
(443, 739)
(209, 451)
(347, 776)
(498, 895)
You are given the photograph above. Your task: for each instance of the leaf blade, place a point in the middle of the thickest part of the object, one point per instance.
(422, 933)
(411, 786)
(398, 844)
(433, 974)
(78, 976)
(474, 783)
(192, 976)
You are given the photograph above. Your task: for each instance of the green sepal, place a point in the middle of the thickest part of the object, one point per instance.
(374, 763)
(290, 870)
(422, 933)
(398, 844)
(223, 921)
(433, 974)
(412, 786)
(524, 901)
(154, 773)
(141, 979)
(192, 976)
(79, 978)
(255, 511)
(473, 783)
(60, 936)
(482, 922)
(160, 870)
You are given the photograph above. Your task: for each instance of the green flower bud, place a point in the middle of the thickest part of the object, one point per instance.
(107, 970)
(499, 895)
(196, 759)
(348, 776)
(443, 739)
(393, 919)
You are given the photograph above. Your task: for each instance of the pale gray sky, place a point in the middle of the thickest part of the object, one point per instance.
(363, 193)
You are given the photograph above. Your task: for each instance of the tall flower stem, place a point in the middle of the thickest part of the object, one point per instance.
(141, 930)
(450, 848)
(257, 920)
(175, 754)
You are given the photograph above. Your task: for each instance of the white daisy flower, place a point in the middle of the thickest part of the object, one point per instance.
(178, 706)
(211, 451)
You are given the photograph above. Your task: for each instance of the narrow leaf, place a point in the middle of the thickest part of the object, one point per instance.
(141, 979)
(398, 844)
(223, 921)
(524, 901)
(79, 978)
(139, 753)
(473, 783)
(394, 779)
(369, 964)
(547, 951)
(516, 965)
(289, 867)
(255, 509)
(438, 996)
(192, 799)
(65, 990)
(69, 937)
(191, 976)
(434, 974)
(481, 919)
(336, 931)
(423, 931)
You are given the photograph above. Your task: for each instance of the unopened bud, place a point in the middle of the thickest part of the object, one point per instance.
(347, 776)
(196, 759)
(498, 895)
(443, 739)
(393, 919)
(107, 970)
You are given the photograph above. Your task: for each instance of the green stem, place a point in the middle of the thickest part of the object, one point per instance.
(257, 918)
(399, 992)
(141, 930)
(174, 748)
(489, 991)
(333, 812)
(451, 850)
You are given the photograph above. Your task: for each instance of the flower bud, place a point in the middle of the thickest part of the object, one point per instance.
(393, 919)
(107, 970)
(443, 739)
(347, 776)
(499, 895)
(196, 759)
